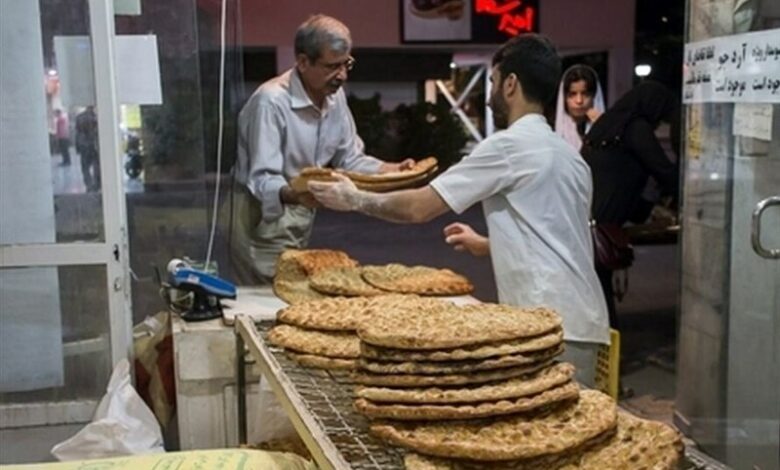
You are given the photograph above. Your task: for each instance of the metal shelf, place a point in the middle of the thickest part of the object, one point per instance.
(319, 404)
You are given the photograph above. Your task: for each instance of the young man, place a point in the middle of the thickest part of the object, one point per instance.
(535, 191)
(293, 121)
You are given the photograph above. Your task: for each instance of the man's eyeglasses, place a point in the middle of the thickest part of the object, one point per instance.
(348, 64)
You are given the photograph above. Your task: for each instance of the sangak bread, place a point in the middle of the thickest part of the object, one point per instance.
(422, 280)
(637, 444)
(377, 182)
(458, 367)
(406, 412)
(538, 382)
(453, 326)
(343, 281)
(512, 437)
(420, 167)
(291, 283)
(482, 351)
(345, 314)
(322, 362)
(321, 343)
(414, 381)
(385, 186)
(314, 261)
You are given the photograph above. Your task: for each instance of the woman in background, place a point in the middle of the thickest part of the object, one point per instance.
(580, 103)
(623, 151)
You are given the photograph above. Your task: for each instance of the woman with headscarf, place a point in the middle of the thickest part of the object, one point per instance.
(623, 152)
(580, 103)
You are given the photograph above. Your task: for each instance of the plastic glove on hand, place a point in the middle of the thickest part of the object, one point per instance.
(341, 195)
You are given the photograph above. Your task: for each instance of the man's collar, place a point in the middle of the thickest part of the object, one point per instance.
(301, 99)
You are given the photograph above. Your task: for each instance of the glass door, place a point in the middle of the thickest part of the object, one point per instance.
(728, 400)
(65, 316)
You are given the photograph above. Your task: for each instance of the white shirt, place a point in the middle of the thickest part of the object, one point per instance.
(535, 191)
(281, 131)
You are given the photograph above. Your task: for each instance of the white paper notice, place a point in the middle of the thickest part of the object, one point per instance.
(743, 68)
(753, 120)
(137, 69)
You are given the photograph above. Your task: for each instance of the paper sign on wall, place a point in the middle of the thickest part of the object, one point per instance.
(753, 120)
(137, 69)
(743, 68)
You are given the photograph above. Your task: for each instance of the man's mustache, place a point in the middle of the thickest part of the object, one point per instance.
(335, 83)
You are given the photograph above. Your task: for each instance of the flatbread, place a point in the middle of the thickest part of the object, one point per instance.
(637, 444)
(291, 283)
(421, 280)
(406, 412)
(314, 261)
(458, 367)
(345, 314)
(518, 436)
(385, 186)
(377, 182)
(322, 362)
(420, 167)
(343, 281)
(414, 381)
(482, 351)
(545, 379)
(321, 343)
(452, 326)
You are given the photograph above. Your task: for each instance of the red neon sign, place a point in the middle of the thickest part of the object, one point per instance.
(513, 16)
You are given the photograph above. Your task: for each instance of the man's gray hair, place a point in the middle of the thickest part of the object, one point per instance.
(320, 32)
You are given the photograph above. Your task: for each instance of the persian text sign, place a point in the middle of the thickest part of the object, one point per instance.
(743, 68)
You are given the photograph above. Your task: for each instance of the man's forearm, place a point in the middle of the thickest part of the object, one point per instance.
(408, 206)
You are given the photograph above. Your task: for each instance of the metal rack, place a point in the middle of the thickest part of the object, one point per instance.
(319, 404)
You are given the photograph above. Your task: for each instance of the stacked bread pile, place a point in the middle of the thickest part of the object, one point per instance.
(303, 275)
(476, 387)
(418, 174)
(322, 333)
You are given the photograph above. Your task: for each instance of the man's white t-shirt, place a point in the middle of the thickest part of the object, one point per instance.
(535, 191)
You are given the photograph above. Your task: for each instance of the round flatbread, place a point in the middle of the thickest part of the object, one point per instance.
(418, 412)
(420, 167)
(322, 362)
(320, 343)
(637, 443)
(453, 326)
(346, 313)
(538, 382)
(343, 281)
(449, 380)
(421, 280)
(458, 367)
(512, 437)
(481, 351)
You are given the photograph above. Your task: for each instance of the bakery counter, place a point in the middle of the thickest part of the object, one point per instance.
(320, 405)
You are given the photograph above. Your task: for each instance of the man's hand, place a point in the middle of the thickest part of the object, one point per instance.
(463, 238)
(288, 196)
(340, 195)
(407, 164)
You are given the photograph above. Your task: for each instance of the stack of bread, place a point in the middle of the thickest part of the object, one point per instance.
(477, 387)
(460, 386)
(303, 275)
(378, 183)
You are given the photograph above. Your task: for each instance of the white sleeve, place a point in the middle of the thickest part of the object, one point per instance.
(483, 173)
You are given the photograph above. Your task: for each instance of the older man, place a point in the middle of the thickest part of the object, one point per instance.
(292, 121)
(535, 190)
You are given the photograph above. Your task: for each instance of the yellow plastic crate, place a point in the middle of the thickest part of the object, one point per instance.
(608, 366)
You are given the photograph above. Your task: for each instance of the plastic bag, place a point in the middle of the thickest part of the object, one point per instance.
(122, 425)
(271, 422)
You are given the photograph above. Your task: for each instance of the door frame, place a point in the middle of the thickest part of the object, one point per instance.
(112, 253)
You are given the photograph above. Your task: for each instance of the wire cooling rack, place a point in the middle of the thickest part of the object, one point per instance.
(319, 403)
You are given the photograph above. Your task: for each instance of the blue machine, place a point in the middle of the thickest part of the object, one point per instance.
(203, 291)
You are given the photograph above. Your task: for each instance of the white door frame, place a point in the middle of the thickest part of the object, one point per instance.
(113, 253)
